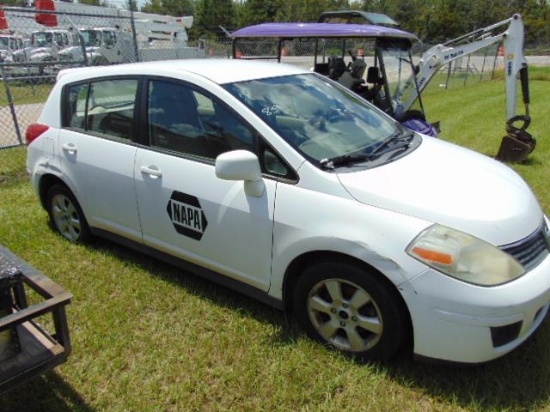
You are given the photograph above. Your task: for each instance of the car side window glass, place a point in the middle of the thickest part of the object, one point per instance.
(77, 97)
(273, 165)
(109, 38)
(110, 107)
(105, 107)
(184, 120)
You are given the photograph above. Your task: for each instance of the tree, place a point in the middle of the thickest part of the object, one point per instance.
(431, 20)
(537, 19)
(170, 7)
(210, 15)
(180, 7)
(131, 5)
(259, 11)
(92, 2)
(153, 6)
(17, 3)
(307, 10)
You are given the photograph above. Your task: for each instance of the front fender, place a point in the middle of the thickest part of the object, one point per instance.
(71, 53)
(336, 225)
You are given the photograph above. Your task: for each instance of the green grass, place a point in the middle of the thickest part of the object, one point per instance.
(24, 93)
(148, 337)
(474, 117)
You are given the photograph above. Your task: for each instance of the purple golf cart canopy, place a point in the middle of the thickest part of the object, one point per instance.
(322, 30)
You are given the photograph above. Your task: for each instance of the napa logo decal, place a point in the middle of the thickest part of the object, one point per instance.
(187, 215)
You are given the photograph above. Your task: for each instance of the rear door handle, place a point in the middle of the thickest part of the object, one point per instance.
(69, 147)
(152, 171)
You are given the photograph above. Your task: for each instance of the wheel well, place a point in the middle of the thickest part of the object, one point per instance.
(46, 182)
(298, 265)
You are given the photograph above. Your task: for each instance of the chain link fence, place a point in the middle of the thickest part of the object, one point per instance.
(35, 45)
(478, 66)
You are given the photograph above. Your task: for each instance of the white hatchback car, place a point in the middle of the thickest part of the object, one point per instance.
(287, 187)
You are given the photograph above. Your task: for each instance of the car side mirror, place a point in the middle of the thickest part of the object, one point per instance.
(241, 165)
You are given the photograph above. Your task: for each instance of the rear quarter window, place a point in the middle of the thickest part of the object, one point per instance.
(104, 106)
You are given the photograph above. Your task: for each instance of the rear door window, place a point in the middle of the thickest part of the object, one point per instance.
(104, 106)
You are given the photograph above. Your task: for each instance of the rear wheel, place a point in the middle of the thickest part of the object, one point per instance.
(350, 309)
(65, 214)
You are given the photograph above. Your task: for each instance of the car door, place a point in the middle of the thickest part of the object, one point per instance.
(97, 154)
(184, 209)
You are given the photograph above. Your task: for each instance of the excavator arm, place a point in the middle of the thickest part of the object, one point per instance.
(518, 143)
(442, 54)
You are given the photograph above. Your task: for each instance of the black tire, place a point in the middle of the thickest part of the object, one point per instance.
(350, 309)
(66, 215)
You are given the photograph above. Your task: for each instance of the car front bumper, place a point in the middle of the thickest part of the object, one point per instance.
(459, 322)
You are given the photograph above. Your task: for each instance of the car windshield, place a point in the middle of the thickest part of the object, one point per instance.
(5, 43)
(41, 38)
(399, 74)
(91, 37)
(319, 118)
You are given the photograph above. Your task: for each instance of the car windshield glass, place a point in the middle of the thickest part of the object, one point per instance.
(4, 42)
(41, 38)
(319, 118)
(91, 37)
(399, 73)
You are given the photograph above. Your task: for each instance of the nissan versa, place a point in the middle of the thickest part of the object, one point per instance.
(285, 186)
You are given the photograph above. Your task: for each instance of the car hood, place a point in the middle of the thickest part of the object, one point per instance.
(453, 186)
(71, 49)
(42, 50)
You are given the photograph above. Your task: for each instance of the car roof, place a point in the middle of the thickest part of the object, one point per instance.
(219, 71)
(322, 30)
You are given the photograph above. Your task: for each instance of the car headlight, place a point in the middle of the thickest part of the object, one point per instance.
(464, 257)
(546, 232)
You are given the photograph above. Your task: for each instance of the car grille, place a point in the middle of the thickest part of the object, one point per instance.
(530, 251)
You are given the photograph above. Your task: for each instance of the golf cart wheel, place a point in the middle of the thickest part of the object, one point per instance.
(66, 215)
(350, 309)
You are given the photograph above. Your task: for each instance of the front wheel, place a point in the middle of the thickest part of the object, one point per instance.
(348, 308)
(65, 214)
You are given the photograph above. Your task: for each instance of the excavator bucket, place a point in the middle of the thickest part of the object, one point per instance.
(518, 143)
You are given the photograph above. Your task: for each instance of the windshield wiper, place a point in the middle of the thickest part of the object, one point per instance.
(402, 139)
(343, 160)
